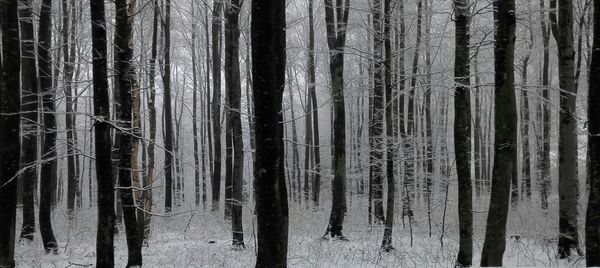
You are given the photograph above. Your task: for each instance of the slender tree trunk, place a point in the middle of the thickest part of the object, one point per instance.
(544, 179)
(505, 136)
(29, 119)
(126, 81)
(268, 71)
(232, 81)
(316, 183)
(525, 122)
(386, 244)
(167, 117)
(216, 101)
(106, 212)
(195, 111)
(462, 132)
(10, 101)
(68, 69)
(377, 118)
(592, 233)
(48, 168)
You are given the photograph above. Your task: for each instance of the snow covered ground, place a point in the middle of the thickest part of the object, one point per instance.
(198, 239)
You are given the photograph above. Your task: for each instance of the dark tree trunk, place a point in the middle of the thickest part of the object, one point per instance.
(126, 81)
(106, 212)
(525, 122)
(195, 111)
(505, 136)
(68, 52)
(544, 179)
(336, 17)
(167, 117)
(568, 188)
(462, 132)
(268, 71)
(29, 119)
(10, 101)
(592, 232)
(216, 102)
(48, 168)
(389, 122)
(376, 129)
(232, 81)
(316, 183)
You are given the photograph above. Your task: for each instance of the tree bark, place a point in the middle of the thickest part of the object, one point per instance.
(316, 183)
(386, 244)
(505, 136)
(29, 119)
(167, 117)
(10, 101)
(106, 212)
(568, 187)
(544, 179)
(48, 168)
(216, 102)
(126, 81)
(268, 71)
(376, 130)
(232, 81)
(462, 131)
(336, 17)
(592, 232)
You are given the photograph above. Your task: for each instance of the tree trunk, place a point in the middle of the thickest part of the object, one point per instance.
(48, 168)
(10, 101)
(505, 136)
(216, 101)
(29, 119)
(592, 233)
(336, 17)
(462, 132)
(68, 68)
(126, 81)
(544, 179)
(232, 81)
(268, 71)
(376, 130)
(568, 188)
(195, 111)
(316, 183)
(106, 212)
(386, 244)
(167, 117)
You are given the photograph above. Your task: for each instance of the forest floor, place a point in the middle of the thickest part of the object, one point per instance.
(198, 239)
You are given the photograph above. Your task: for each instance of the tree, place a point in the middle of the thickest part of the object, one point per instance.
(232, 80)
(377, 117)
(126, 81)
(68, 47)
(592, 232)
(167, 120)
(568, 188)
(545, 180)
(10, 90)
(48, 168)
(268, 72)
(505, 136)
(336, 18)
(390, 129)
(216, 101)
(104, 174)
(29, 118)
(316, 183)
(462, 131)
